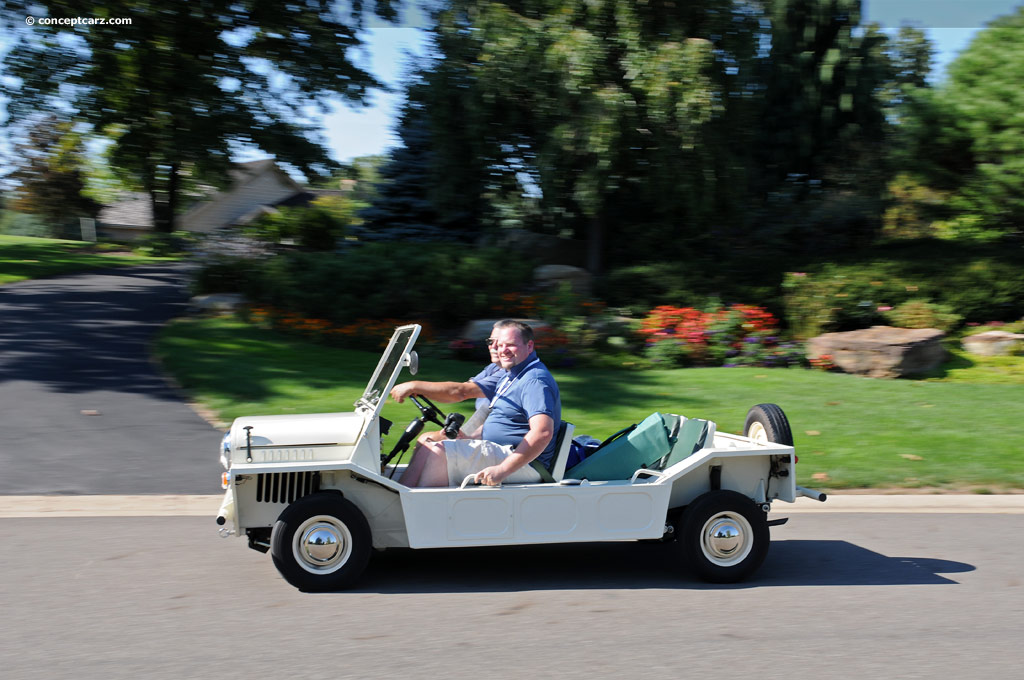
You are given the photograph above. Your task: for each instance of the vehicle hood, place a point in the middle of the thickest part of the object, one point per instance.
(299, 430)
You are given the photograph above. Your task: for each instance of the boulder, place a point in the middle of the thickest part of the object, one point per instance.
(216, 303)
(993, 343)
(881, 351)
(550, 276)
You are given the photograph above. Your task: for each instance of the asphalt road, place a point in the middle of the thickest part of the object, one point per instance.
(83, 410)
(841, 595)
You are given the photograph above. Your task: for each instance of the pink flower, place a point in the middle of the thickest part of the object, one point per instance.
(885, 308)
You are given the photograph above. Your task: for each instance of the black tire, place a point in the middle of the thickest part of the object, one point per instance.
(722, 537)
(768, 421)
(321, 542)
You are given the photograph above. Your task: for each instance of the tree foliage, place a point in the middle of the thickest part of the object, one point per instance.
(186, 85)
(965, 138)
(49, 176)
(659, 127)
(984, 91)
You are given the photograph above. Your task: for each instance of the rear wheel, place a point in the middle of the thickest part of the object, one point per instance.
(767, 423)
(321, 542)
(723, 536)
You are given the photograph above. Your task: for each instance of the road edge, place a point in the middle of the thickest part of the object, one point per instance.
(15, 507)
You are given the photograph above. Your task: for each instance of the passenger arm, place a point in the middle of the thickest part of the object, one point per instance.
(542, 428)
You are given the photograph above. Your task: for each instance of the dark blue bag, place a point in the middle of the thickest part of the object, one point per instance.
(581, 447)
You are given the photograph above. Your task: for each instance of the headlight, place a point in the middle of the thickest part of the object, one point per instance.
(225, 450)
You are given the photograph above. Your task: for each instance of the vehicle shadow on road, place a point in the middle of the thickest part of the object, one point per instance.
(595, 566)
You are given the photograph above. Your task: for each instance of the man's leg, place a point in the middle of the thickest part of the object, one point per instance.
(435, 468)
(411, 476)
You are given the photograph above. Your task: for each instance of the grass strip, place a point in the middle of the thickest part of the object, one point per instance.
(24, 257)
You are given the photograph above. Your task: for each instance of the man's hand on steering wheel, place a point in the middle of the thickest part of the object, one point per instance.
(401, 391)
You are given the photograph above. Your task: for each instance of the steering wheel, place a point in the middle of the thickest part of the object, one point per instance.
(430, 411)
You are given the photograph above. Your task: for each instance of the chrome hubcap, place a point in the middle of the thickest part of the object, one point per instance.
(322, 544)
(726, 538)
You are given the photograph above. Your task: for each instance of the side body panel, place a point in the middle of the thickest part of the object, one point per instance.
(535, 513)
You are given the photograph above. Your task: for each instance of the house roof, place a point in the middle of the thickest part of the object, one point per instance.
(134, 211)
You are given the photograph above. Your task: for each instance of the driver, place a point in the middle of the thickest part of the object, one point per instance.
(525, 412)
(491, 375)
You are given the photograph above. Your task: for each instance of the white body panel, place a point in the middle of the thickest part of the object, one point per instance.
(534, 513)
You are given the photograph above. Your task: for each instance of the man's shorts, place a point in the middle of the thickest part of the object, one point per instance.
(470, 456)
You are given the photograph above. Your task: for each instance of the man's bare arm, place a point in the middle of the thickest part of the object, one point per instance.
(445, 392)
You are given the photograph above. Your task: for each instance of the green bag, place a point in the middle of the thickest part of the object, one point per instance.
(639, 447)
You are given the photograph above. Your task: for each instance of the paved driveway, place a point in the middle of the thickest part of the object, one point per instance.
(83, 410)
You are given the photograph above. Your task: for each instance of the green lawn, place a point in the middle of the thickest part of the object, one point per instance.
(956, 431)
(24, 257)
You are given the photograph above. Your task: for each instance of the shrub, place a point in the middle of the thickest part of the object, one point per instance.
(165, 245)
(978, 282)
(315, 227)
(435, 282)
(836, 300)
(918, 313)
(641, 287)
(22, 224)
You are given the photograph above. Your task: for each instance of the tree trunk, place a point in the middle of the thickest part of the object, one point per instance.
(164, 200)
(595, 244)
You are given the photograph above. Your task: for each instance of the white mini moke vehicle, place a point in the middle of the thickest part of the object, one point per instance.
(317, 492)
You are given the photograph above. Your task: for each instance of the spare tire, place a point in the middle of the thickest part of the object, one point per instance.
(767, 423)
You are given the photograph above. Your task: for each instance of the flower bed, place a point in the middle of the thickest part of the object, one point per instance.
(737, 335)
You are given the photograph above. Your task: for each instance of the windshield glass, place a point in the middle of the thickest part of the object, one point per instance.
(389, 366)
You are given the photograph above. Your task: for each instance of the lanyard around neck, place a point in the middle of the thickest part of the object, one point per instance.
(506, 384)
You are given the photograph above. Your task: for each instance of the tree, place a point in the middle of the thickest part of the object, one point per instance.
(602, 110)
(983, 91)
(50, 178)
(964, 139)
(185, 85)
(821, 159)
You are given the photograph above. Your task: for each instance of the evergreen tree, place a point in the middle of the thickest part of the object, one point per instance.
(402, 209)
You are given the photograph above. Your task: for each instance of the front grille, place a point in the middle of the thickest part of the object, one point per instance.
(286, 487)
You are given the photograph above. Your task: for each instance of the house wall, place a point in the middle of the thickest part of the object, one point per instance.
(224, 208)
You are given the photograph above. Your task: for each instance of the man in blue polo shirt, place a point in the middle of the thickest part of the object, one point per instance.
(525, 412)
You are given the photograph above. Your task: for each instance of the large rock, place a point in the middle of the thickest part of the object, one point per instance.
(549, 276)
(881, 351)
(993, 343)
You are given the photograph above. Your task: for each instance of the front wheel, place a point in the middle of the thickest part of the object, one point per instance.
(723, 536)
(320, 543)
